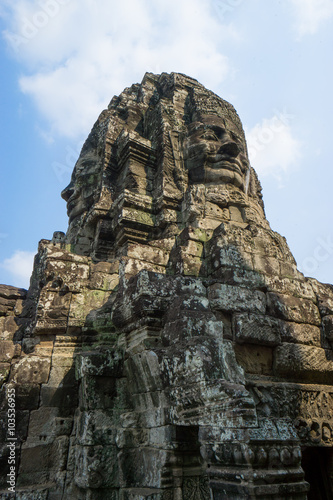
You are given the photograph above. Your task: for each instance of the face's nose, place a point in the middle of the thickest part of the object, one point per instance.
(230, 148)
(67, 192)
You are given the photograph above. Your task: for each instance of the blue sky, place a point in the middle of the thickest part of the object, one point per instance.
(63, 60)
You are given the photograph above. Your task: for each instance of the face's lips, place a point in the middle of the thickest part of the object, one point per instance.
(71, 200)
(74, 206)
(219, 161)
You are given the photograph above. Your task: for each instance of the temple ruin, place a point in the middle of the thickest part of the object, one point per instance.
(168, 348)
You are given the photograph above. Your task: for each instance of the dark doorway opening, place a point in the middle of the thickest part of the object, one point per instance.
(317, 464)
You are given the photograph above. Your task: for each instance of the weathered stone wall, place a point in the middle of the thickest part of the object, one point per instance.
(168, 347)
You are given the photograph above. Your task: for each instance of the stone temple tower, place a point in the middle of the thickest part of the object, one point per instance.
(168, 347)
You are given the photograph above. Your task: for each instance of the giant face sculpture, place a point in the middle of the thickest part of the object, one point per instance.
(81, 192)
(214, 153)
(131, 152)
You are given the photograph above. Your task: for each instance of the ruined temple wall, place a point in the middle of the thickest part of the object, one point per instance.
(242, 299)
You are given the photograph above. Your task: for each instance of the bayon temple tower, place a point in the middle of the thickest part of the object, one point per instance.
(167, 348)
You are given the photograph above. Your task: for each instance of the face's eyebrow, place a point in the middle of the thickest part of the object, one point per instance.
(219, 128)
(196, 128)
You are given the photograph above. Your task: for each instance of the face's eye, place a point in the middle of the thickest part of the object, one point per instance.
(237, 140)
(209, 136)
(219, 132)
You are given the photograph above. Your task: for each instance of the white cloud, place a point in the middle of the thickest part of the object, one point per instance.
(84, 54)
(272, 148)
(311, 14)
(19, 265)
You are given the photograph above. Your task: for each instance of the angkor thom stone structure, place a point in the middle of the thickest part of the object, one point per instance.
(168, 347)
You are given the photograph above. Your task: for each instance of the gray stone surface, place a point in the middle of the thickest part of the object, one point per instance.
(168, 347)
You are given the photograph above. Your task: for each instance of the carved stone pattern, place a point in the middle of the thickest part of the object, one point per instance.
(196, 489)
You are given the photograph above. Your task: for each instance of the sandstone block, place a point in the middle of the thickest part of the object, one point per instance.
(83, 303)
(9, 298)
(71, 274)
(104, 281)
(131, 267)
(232, 236)
(289, 270)
(300, 333)
(134, 464)
(64, 397)
(324, 294)
(254, 358)
(97, 467)
(149, 254)
(60, 376)
(207, 223)
(193, 234)
(12, 292)
(254, 214)
(8, 351)
(165, 244)
(232, 298)
(52, 312)
(303, 362)
(55, 252)
(143, 370)
(95, 364)
(239, 277)
(8, 327)
(257, 329)
(45, 347)
(231, 257)
(325, 304)
(105, 267)
(96, 427)
(194, 248)
(166, 216)
(39, 462)
(18, 309)
(266, 265)
(27, 396)
(189, 307)
(63, 357)
(102, 393)
(192, 325)
(52, 305)
(328, 327)
(139, 216)
(217, 213)
(236, 214)
(6, 306)
(4, 372)
(292, 308)
(33, 369)
(132, 438)
(46, 424)
(289, 286)
(181, 262)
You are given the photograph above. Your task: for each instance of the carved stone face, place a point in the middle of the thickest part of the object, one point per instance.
(82, 191)
(215, 154)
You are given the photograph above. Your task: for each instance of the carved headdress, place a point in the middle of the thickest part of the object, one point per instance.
(138, 155)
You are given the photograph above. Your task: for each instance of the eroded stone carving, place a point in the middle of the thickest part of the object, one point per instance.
(168, 347)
